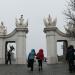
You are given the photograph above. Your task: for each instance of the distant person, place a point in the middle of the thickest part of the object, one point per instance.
(70, 57)
(9, 56)
(40, 58)
(31, 57)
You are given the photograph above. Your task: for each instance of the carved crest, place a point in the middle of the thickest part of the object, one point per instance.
(20, 22)
(3, 29)
(49, 22)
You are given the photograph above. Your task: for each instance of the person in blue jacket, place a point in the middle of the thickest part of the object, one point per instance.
(31, 57)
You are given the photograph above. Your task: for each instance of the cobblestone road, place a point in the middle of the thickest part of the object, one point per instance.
(57, 69)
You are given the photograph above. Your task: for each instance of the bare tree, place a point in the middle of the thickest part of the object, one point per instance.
(70, 16)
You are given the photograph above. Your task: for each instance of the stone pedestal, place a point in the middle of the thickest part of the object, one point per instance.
(21, 47)
(51, 46)
(1, 50)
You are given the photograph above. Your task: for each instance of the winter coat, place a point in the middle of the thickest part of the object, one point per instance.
(70, 54)
(40, 55)
(32, 54)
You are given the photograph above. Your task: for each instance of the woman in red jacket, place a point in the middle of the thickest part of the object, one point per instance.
(40, 58)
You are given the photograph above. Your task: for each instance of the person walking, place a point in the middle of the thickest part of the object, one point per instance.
(70, 57)
(40, 58)
(31, 57)
(9, 56)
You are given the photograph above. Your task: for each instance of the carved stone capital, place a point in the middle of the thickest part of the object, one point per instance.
(3, 30)
(20, 23)
(49, 22)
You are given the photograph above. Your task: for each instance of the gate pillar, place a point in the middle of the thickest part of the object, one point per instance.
(21, 30)
(51, 40)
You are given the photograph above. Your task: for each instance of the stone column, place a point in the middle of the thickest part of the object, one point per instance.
(51, 46)
(50, 28)
(1, 51)
(3, 33)
(21, 46)
(22, 29)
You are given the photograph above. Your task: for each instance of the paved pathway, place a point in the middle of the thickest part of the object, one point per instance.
(57, 69)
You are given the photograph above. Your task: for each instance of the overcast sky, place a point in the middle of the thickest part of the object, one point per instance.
(34, 11)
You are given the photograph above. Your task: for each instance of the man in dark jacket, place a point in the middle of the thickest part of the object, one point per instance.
(9, 56)
(70, 57)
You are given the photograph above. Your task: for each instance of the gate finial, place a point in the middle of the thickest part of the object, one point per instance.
(20, 22)
(49, 22)
(3, 29)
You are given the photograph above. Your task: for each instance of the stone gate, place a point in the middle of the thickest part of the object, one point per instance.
(18, 35)
(53, 34)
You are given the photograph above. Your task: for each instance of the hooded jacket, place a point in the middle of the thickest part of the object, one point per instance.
(31, 54)
(40, 54)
